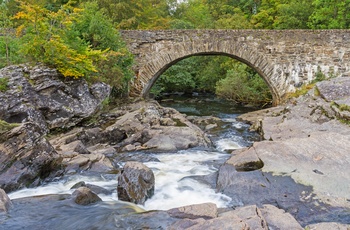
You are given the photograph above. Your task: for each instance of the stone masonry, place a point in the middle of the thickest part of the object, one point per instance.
(285, 59)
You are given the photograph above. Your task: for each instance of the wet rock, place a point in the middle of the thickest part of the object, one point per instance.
(5, 202)
(136, 183)
(245, 160)
(27, 158)
(84, 196)
(205, 122)
(94, 188)
(328, 226)
(211, 126)
(278, 219)
(320, 160)
(205, 211)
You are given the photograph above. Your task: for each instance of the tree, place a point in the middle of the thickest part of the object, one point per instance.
(7, 37)
(48, 37)
(195, 13)
(266, 15)
(293, 15)
(95, 28)
(236, 20)
(330, 14)
(137, 14)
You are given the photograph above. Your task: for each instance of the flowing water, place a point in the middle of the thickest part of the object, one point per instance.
(182, 178)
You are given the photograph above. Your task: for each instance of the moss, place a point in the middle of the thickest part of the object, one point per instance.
(344, 107)
(4, 126)
(179, 123)
(301, 91)
(317, 92)
(4, 84)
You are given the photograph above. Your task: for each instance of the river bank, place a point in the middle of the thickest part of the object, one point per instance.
(297, 177)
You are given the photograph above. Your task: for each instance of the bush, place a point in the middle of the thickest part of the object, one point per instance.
(241, 87)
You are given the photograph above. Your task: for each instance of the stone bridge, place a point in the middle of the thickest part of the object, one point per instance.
(285, 59)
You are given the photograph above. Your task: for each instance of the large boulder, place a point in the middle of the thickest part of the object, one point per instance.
(41, 95)
(27, 158)
(135, 183)
(151, 126)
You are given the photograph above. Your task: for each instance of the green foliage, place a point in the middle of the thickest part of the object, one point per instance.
(242, 87)
(178, 78)
(8, 41)
(330, 14)
(95, 28)
(234, 20)
(293, 15)
(137, 14)
(46, 37)
(3, 84)
(319, 76)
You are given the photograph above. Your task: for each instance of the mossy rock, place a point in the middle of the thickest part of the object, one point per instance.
(4, 126)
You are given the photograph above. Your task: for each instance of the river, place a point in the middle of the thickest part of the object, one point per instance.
(174, 185)
(182, 178)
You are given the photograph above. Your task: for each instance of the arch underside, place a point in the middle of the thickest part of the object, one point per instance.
(161, 61)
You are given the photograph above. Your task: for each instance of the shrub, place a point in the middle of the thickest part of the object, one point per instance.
(241, 87)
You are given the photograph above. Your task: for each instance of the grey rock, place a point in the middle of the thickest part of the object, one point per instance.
(230, 221)
(5, 202)
(84, 196)
(246, 160)
(328, 226)
(27, 158)
(252, 215)
(205, 211)
(38, 94)
(334, 89)
(149, 124)
(136, 183)
(279, 219)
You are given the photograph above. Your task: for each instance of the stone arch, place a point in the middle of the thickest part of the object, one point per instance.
(161, 60)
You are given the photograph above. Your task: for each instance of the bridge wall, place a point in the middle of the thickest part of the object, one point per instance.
(284, 58)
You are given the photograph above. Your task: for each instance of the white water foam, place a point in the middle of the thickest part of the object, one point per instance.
(64, 187)
(174, 188)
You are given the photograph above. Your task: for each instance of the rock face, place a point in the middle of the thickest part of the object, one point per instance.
(27, 158)
(5, 202)
(136, 183)
(40, 95)
(307, 140)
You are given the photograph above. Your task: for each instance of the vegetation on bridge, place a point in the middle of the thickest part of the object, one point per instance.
(80, 38)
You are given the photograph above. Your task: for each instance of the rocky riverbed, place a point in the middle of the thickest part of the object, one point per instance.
(295, 178)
